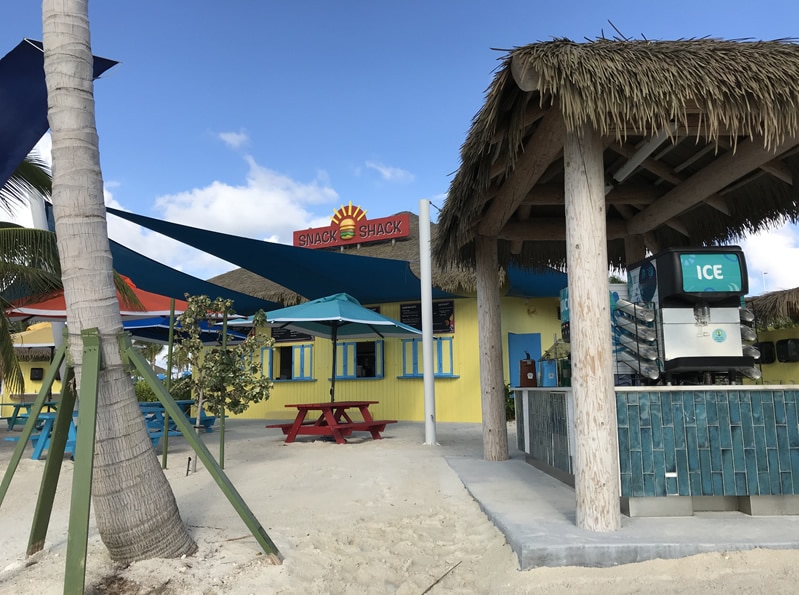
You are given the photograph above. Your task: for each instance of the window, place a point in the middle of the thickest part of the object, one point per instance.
(412, 358)
(288, 362)
(362, 359)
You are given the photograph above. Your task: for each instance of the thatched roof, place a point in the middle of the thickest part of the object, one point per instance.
(726, 164)
(776, 308)
(452, 279)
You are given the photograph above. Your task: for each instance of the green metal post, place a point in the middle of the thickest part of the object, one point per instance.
(80, 506)
(201, 450)
(52, 466)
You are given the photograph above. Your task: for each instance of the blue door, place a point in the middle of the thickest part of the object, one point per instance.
(521, 346)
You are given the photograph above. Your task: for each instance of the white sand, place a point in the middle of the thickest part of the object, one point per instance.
(385, 516)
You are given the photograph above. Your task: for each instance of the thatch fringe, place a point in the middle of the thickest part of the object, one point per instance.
(746, 88)
(776, 308)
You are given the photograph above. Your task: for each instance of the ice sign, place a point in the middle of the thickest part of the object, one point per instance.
(711, 272)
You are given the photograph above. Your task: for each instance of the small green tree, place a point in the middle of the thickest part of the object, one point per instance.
(221, 379)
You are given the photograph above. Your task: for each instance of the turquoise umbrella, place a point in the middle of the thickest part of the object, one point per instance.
(333, 317)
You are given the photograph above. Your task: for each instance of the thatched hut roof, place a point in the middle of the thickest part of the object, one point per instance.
(776, 308)
(452, 279)
(725, 164)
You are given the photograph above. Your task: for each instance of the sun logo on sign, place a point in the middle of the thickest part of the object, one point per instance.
(346, 217)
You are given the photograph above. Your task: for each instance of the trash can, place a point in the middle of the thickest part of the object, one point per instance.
(527, 373)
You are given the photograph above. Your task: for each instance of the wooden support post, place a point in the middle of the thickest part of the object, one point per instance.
(492, 384)
(596, 464)
(634, 249)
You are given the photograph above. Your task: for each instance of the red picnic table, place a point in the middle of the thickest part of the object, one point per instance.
(333, 420)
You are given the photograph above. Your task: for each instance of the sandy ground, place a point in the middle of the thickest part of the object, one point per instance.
(386, 516)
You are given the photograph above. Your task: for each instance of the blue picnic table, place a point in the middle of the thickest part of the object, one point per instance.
(154, 417)
(18, 416)
(40, 439)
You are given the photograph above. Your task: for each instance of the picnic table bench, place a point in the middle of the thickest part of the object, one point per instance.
(333, 420)
(18, 416)
(40, 439)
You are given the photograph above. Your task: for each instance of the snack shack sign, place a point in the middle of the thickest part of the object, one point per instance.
(349, 225)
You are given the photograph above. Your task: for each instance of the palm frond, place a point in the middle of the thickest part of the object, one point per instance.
(128, 297)
(9, 363)
(29, 267)
(31, 177)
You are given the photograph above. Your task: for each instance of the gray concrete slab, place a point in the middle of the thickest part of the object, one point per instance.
(537, 515)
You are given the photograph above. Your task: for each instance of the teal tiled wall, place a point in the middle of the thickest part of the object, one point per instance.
(708, 442)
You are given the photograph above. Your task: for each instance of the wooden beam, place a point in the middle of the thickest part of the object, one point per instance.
(551, 229)
(723, 171)
(596, 466)
(533, 113)
(658, 168)
(522, 214)
(719, 203)
(542, 148)
(634, 249)
(779, 170)
(775, 167)
(526, 78)
(634, 194)
(652, 243)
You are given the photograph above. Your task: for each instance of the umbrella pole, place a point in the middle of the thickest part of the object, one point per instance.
(168, 379)
(334, 336)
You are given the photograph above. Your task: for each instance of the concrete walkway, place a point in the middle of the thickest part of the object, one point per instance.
(537, 515)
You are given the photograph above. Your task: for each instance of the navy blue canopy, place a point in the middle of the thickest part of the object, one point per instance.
(541, 282)
(156, 330)
(310, 273)
(153, 276)
(23, 102)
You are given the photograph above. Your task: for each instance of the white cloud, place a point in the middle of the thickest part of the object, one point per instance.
(234, 140)
(769, 258)
(390, 174)
(269, 206)
(161, 248)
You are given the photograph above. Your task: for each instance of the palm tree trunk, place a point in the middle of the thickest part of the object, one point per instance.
(134, 506)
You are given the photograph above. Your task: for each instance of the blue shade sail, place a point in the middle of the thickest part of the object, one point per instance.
(23, 102)
(310, 273)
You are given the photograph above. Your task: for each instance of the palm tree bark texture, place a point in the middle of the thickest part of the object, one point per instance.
(134, 506)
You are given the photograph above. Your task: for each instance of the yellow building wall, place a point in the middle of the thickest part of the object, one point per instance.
(457, 398)
(779, 372)
(32, 387)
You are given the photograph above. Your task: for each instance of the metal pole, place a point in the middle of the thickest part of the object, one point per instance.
(334, 337)
(427, 323)
(222, 412)
(168, 379)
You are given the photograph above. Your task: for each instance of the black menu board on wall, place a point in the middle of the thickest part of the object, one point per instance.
(443, 316)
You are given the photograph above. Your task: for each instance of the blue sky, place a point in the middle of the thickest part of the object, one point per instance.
(259, 117)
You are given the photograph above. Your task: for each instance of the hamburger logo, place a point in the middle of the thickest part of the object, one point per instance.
(346, 218)
(346, 229)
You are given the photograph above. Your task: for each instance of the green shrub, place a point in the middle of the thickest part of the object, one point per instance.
(181, 391)
(510, 404)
